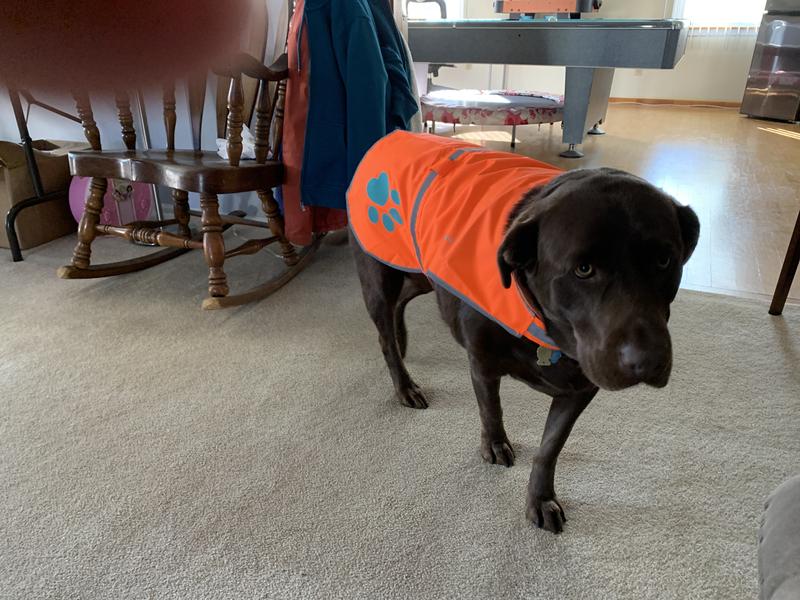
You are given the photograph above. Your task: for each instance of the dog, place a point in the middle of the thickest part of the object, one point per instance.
(561, 280)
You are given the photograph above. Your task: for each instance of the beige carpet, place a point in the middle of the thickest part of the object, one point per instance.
(152, 450)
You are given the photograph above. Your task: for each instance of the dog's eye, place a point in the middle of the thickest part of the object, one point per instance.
(664, 261)
(584, 270)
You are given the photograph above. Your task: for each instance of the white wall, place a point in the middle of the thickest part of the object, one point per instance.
(714, 67)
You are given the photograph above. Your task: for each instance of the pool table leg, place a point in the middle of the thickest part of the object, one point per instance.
(585, 103)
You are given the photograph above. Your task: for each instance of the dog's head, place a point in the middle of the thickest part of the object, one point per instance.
(599, 253)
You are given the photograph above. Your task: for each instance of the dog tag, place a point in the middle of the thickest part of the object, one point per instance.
(547, 357)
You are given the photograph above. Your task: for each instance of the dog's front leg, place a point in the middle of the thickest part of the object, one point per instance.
(495, 447)
(543, 508)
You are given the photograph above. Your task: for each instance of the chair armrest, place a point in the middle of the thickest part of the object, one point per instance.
(244, 64)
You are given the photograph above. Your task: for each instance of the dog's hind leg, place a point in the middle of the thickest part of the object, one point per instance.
(495, 447)
(382, 289)
(413, 286)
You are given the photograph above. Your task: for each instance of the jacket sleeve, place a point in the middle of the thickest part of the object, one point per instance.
(361, 67)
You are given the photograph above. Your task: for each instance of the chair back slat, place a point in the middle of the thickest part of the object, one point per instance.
(235, 120)
(276, 131)
(125, 115)
(84, 107)
(267, 129)
(196, 93)
(170, 116)
(263, 119)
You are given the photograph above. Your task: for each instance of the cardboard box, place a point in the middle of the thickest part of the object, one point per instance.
(44, 222)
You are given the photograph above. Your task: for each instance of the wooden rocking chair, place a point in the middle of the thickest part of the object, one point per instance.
(192, 171)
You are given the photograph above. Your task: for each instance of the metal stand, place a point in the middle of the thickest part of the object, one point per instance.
(36, 179)
(572, 152)
(33, 168)
(596, 130)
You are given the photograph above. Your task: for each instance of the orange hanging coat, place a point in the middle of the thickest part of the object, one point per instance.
(439, 206)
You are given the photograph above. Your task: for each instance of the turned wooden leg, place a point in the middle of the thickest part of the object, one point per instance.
(180, 199)
(788, 271)
(213, 245)
(87, 229)
(275, 221)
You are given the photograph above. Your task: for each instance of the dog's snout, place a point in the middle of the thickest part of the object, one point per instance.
(635, 360)
(637, 351)
(645, 362)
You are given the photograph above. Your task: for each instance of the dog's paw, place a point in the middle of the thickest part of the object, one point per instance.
(497, 452)
(412, 396)
(546, 513)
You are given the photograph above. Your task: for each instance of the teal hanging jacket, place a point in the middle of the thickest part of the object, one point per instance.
(360, 90)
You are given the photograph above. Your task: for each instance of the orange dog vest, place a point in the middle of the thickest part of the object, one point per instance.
(439, 206)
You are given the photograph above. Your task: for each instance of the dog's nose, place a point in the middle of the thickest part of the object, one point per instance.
(640, 363)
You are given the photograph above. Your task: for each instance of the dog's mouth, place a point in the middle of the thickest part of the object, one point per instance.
(661, 379)
(610, 376)
(615, 384)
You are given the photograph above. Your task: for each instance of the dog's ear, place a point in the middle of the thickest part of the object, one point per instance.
(518, 249)
(690, 229)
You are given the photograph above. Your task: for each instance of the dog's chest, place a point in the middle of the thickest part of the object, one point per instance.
(565, 376)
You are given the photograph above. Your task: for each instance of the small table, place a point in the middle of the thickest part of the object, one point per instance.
(492, 107)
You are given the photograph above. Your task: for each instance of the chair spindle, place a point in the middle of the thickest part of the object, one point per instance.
(170, 117)
(84, 107)
(196, 87)
(123, 103)
(277, 121)
(263, 118)
(235, 120)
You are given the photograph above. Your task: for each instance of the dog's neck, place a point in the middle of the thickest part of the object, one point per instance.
(517, 209)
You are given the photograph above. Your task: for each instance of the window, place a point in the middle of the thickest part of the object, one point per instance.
(720, 13)
(430, 9)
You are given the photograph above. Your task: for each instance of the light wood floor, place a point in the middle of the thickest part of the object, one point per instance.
(741, 175)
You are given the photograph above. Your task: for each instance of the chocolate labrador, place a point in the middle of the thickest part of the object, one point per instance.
(598, 254)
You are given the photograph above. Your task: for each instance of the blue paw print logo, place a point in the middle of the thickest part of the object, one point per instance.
(379, 192)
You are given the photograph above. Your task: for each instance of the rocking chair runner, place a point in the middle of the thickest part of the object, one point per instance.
(192, 171)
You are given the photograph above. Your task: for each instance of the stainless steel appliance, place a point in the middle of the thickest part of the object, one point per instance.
(773, 87)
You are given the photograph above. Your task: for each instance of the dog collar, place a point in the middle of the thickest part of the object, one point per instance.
(545, 357)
